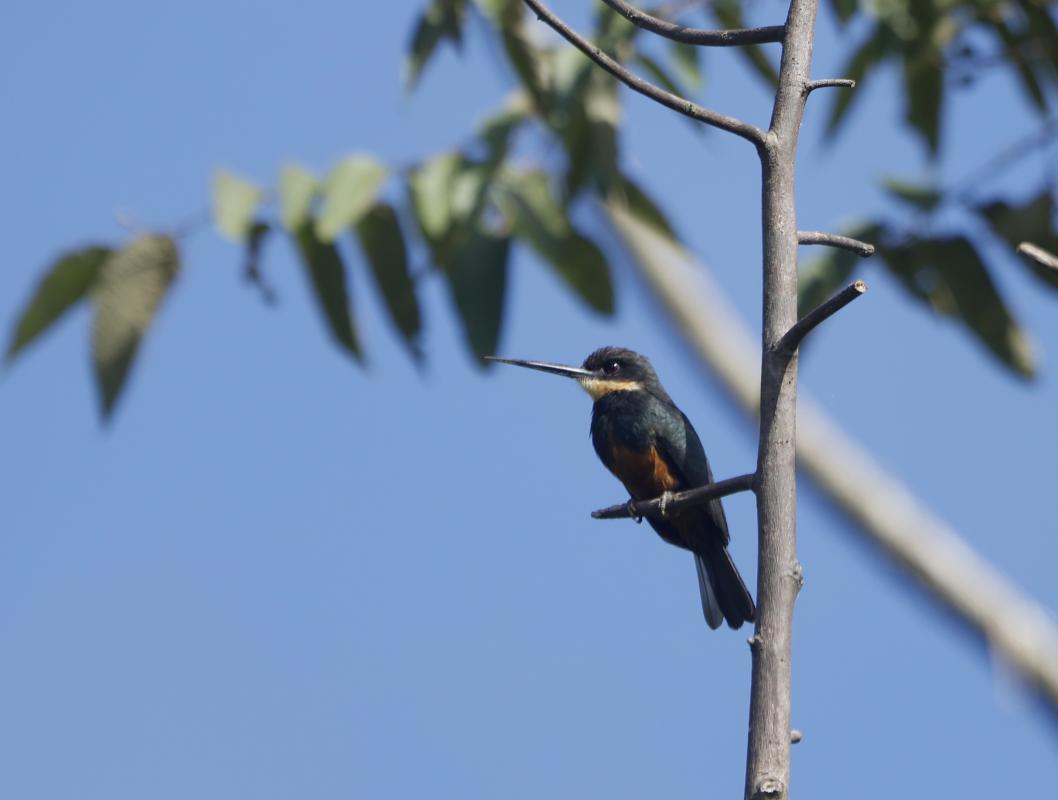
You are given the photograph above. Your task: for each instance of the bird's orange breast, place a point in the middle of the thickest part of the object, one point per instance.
(645, 473)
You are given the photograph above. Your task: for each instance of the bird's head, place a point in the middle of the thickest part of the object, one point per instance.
(608, 369)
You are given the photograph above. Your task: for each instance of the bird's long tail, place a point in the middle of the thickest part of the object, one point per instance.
(724, 593)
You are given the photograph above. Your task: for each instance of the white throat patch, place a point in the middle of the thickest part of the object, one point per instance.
(597, 387)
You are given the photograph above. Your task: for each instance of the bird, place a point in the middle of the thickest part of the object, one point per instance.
(649, 445)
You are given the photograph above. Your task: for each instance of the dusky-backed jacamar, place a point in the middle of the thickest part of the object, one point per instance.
(649, 444)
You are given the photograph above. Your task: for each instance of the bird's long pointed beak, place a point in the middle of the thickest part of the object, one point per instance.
(544, 366)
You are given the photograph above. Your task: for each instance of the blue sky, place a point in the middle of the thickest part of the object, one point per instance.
(277, 575)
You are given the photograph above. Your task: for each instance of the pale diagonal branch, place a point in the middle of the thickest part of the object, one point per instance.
(736, 126)
(883, 509)
(1039, 255)
(793, 338)
(834, 240)
(664, 506)
(700, 36)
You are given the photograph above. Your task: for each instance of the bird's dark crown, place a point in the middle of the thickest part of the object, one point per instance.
(622, 368)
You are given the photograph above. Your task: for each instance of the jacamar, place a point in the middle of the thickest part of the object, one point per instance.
(651, 447)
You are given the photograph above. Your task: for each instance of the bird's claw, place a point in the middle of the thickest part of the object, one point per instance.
(631, 506)
(663, 504)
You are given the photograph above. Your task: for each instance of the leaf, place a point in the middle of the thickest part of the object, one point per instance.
(348, 193)
(1012, 44)
(949, 274)
(686, 60)
(442, 19)
(629, 196)
(477, 279)
(252, 262)
(658, 73)
(496, 131)
(543, 222)
(924, 96)
(525, 59)
(383, 246)
(924, 198)
(235, 202)
(66, 282)
(1031, 222)
(131, 284)
(844, 9)
(729, 14)
(431, 194)
(830, 272)
(326, 273)
(297, 190)
(868, 55)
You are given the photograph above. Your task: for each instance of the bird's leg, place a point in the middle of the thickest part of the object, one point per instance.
(663, 504)
(631, 506)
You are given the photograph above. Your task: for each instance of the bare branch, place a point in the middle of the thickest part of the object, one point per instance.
(736, 126)
(793, 338)
(666, 505)
(830, 83)
(1039, 255)
(834, 240)
(681, 33)
(883, 509)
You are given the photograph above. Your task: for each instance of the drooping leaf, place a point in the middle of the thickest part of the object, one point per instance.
(542, 220)
(629, 196)
(477, 278)
(67, 281)
(252, 263)
(1033, 221)
(235, 203)
(440, 20)
(1042, 31)
(430, 187)
(924, 198)
(844, 9)
(525, 59)
(875, 48)
(383, 245)
(949, 275)
(658, 73)
(130, 285)
(833, 270)
(326, 273)
(1013, 43)
(297, 190)
(924, 96)
(686, 60)
(497, 130)
(348, 192)
(729, 14)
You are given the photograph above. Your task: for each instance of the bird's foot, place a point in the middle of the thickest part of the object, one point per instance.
(663, 504)
(631, 506)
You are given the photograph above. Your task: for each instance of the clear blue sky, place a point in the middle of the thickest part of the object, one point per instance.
(279, 576)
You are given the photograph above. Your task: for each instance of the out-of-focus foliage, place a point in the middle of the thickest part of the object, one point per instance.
(465, 210)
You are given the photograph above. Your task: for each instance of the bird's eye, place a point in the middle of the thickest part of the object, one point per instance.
(611, 367)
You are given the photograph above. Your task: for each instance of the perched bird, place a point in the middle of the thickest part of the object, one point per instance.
(650, 445)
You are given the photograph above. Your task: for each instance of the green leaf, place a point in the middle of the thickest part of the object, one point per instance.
(297, 190)
(326, 272)
(844, 9)
(729, 14)
(924, 96)
(127, 291)
(1032, 222)
(383, 245)
(496, 131)
(658, 73)
(629, 196)
(252, 261)
(235, 202)
(1012, 44)
(686, 60)
(949, 275)
(442, 19)
(830, 272)
(924, 198)
(348, 193)
(525, 59)
(67, 281)
(877, 47)
(477, 279)
(430, 187)
(543, 222)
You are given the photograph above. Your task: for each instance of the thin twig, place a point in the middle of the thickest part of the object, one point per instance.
(793, 338)
(829, 83)
(834, 240)
(736, 126)
(700, 36)
(884, 510)
(1039, 255)
(662, 507)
